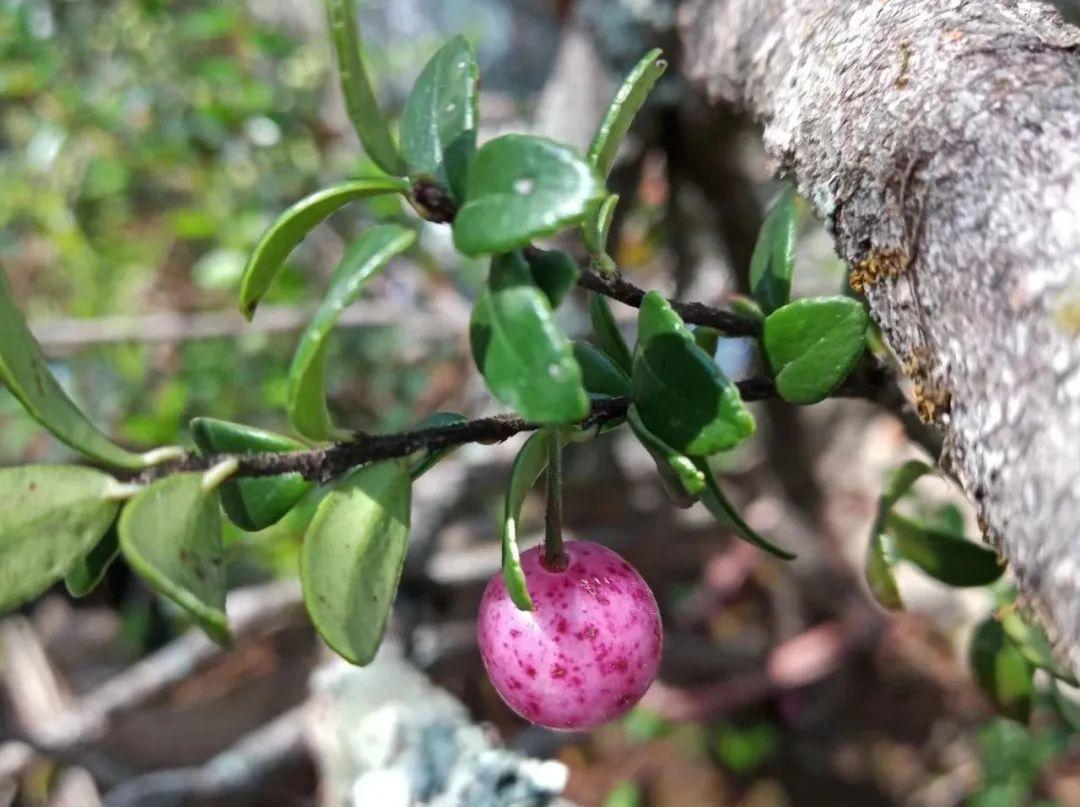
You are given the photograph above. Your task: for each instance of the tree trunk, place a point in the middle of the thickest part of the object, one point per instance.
(940, 141)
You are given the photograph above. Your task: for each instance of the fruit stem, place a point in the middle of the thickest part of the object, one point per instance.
(554, 558)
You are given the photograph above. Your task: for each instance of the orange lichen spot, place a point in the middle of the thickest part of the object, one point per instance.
(879, 264)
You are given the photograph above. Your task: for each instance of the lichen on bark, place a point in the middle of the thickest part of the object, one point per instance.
(946, 132)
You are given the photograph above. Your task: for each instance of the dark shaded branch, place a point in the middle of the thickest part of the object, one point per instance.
(727, 322)
(324, 464)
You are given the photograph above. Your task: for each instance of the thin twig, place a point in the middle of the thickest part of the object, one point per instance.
(727, 322)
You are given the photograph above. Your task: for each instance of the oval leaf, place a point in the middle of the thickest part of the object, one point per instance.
(52, 516)
(899, 483)
(257, 503)
(773, 262)
(623, 109)
(525, 358)
(171, 535)
(360, 103)
(367, 256)
(813, 345)
(1002, 671)
(438, 125)
(608, 335)
(88, 571)
(520, 188)
(954, 561)
(718, 504)
(681, 394)
(352, 557)
(295, 223)
(682, 480)
(26, 374)
(600, 374)
(554, 272)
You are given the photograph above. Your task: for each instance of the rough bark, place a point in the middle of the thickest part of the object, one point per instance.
(940, 141)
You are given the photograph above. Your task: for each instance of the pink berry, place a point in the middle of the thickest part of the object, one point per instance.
(589, 650)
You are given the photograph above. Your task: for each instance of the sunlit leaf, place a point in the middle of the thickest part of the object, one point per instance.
(623, 109)
(595, 232)
(521, 188)
(26, 374)
(1033, 642)
(813, 345)
(352, 557)
(367, 256)
(52, 516)
(525, 358)
(295, 223)
(773, 262)
(254, 503)
(360, 102)
(438, 125)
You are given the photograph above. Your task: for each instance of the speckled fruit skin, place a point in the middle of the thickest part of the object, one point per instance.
(589, 650)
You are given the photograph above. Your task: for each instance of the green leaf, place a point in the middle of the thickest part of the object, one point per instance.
(600, 374)
(718, 504)
(773, 262)
(352, 557)
(608, 335)
(681, 394)
(523, 187)
(1067, 699)
(52, 515)
(527, 361)
(1002, 671)
(257, 503)
(367, 256)
(296, 222)
(708, 339)
(813, 345)
(682, 479)
(595, 233)
(623, 109)
(438, 420)
(438, 125)
(554, 272)
(360, 102)
(84, 576)
(1033, 642)
(530, 462)
(26, 374)
(954, 561)
(899, 483)
(879, 574)
(171, 535)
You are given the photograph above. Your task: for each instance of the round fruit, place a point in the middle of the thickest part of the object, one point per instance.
(589, 650)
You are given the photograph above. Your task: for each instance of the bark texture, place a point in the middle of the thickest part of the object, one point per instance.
(940, 140)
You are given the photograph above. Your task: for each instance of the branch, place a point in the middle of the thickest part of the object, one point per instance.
(434, 204)
(727, 322)
(940, 140)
